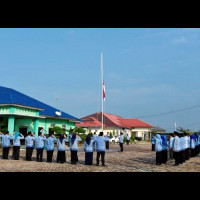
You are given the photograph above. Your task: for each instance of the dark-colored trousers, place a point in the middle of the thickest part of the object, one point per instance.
(159, 158)
(49, 156)
(5, 152)
(183, 156)
(107, 144)
(16, 151)
(177, 158)
(121, 147)
(164, 156)
(39, 156)
(61, 157)
(89, 158)
(153, 147)
(192, 153)
(171, 154)
(102, 154)
(74, 157)
(127, 142)
(29, 152)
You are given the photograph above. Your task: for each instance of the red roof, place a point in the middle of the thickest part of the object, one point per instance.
(110, 120)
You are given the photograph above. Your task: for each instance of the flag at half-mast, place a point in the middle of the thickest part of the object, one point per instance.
(104, 92)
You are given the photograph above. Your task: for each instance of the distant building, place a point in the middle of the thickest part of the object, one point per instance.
(22, 113)
(157, 129)
(116, 124)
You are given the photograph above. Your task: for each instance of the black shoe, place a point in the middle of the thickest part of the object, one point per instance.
(103, 165)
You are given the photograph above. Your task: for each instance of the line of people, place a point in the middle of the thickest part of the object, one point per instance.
(91, 144)
(181, 147)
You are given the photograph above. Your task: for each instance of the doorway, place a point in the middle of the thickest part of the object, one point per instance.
(23, 131)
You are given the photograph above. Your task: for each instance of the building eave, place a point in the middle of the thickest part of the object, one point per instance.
(22, 106)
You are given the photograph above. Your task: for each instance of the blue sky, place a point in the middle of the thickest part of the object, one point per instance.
(146, 71)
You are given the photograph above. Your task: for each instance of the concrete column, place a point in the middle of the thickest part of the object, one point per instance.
(36, 125)
(11, 124)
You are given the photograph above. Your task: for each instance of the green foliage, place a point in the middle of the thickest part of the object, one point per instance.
(58, 130)
(114, 133)
(132, 138)
(111, 135)
(77, 130)
(180, 129)
(83, 137)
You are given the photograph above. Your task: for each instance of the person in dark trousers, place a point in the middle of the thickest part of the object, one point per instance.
(158, 149)
(164, 149)
(192, 145)
(6, 143)
(127, 139)
(74, 147)
(40, 146)
(153, 141)
(171, 140)
(16, 145)
(89, 149)
(61, 147)
(176, 148)
(29, 142)
(121, 142)
(107, 142)
(50, 146)
(100, 145)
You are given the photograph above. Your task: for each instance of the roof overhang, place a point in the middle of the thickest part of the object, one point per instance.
(27, 116)
(62, 118)
(22, 106)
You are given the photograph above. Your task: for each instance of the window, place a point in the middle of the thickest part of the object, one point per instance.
(52, 125)
(64, 126)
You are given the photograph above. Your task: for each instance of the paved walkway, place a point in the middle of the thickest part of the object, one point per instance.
(135, 158)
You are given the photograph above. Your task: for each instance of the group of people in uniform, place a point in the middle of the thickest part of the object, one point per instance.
(180, 146)
(91, 144)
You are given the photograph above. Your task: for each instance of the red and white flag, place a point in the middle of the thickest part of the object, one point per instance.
(104, 92)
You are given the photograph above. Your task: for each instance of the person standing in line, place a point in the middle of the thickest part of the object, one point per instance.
(196, 144)
(89, 149)
(127, 139)
(16, 145)
(176, 148)
(153, 142)
(74, 147)
(50, 146)
(40, 146)
(192, 144)
(158, 149)
(94, 138)
(61, 147)
(121, 142)
(164, 149)
(107, 142)
(186, 146)
(29, 145)
(189, 146)
(6, 143)
(100, 144)
(171, 140)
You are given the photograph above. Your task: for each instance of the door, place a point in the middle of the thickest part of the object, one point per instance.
(23, 131)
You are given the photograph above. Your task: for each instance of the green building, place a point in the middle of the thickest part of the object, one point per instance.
(22, 113)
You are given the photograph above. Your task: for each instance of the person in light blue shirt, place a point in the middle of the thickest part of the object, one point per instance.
(171, 140)
(61, 147)
(29, 145)
(39, 143)
(158, 149)
(74, 147)
(16, 145)
(100, 144)
(107, 142)
(176, 148)
(182, 152)
(6, 143)
(127, 139)
(121, 142)
(89, 149)
(50, 146)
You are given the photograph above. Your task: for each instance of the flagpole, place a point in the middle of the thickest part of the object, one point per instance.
(102, 85)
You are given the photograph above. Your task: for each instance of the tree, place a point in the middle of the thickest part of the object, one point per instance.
(182, 130)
